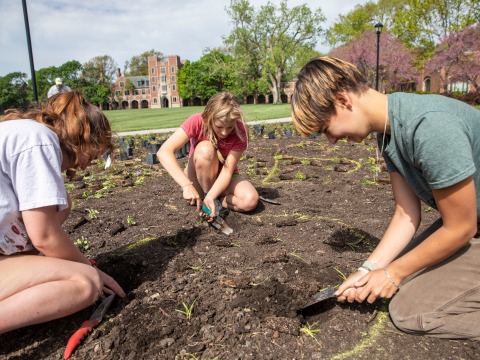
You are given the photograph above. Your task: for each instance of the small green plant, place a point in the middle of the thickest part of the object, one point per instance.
(140, 180)
(69, 187)
(294, 254)
(259, 283)
(187, 309)
(309, 330)
(300, 176)
(199, 267)
(342, 275)
(92, 213)
(131, 220)
(82, 243)
(305, 162)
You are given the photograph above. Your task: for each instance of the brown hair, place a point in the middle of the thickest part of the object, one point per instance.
(79, 125)
(314, 96)
(222, 107)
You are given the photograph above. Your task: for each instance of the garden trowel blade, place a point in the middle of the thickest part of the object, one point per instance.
(322, 295)
(221, 225)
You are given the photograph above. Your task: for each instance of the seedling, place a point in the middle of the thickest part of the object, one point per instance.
(131, 220)
(260, 283)
(69, 187)
(82, 243)
(200, 267)
(187, 309)
(342, 275)
(310, 330)
(294, 254)
(300, 176)
(92, 213)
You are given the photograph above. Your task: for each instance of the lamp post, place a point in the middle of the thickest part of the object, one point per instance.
(378, 29)
(30, 53)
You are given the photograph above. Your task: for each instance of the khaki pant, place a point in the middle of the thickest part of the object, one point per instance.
(443, 300)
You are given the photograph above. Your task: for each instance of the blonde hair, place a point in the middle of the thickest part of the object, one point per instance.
(222, 107)
(314, 96)
(79, 125)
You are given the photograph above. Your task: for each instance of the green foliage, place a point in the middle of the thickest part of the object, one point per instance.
(187, 309)
(13, 91)
(92, 213)
(131, 220)
(138, 64)
(82, 243)
(265, 42)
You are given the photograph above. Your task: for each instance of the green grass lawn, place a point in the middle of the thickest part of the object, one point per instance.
(147, 119)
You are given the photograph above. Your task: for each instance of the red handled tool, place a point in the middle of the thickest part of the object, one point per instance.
(88, 326)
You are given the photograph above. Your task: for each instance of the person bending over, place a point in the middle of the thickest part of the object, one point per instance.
(64, 134)
(218, 137)
(431, 146)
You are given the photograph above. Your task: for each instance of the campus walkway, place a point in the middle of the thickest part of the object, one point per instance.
(159, 131)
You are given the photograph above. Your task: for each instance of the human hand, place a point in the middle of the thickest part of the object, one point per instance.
(210, 204)
(376, 284)
(191, 195)
(110, 286)
(347, 290)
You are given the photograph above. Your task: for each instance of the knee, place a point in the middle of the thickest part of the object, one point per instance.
(205, 152)
(403, 313)
(88, 283)
(249, 201)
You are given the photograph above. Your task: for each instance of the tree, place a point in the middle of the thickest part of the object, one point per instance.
(422, 24)
(138, 64)
(457, 58)
(265, 42)
(212, 73)
(69, 72)
(396, 62)
(13, 91)
(97, 75)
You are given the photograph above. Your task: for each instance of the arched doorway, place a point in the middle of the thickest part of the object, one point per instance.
(284, 98)
(134, 104)
(427, 84)
(197, 101)
(261, 99)
(115, 105)
(250, 99)
(144, 104)
(124, 104)
(165, 102)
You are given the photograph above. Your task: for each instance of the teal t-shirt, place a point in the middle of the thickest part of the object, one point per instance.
(434, 143)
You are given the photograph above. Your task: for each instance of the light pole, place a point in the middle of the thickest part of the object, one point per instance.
(30, 53)
(378, 29)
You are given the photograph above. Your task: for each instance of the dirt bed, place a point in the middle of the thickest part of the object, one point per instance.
(195, 293)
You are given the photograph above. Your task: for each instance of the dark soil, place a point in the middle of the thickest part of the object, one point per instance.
(246, 290)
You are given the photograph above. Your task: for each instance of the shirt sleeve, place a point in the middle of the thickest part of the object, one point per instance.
(442, 150)
(36, 178)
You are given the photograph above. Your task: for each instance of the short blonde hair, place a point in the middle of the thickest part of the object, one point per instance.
(314, 96)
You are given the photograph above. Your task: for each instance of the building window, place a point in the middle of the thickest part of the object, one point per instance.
(164, 78)
(154, 88)
(122, 84)
(127, 92)
(154, 100)
(143, 91)
(173, 70)
(153, 70)
(173, 78)
(162, 70)
(136, 91)
(147, 83)
(154, 79)
(174, 87)
(174, 99)
(427, 85)
(118, 93)
(164, 87)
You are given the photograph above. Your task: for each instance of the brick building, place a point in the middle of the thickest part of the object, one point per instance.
(158, 89)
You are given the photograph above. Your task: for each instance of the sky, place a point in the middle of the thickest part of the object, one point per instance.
(64, 30)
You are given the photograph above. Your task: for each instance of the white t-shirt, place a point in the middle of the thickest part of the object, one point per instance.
(30, 178)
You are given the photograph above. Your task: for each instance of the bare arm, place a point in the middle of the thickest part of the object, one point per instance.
(223, 179)
(399, 233)
(457, 207)
(166, 156)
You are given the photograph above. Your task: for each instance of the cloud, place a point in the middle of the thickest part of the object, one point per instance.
(63, 30)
